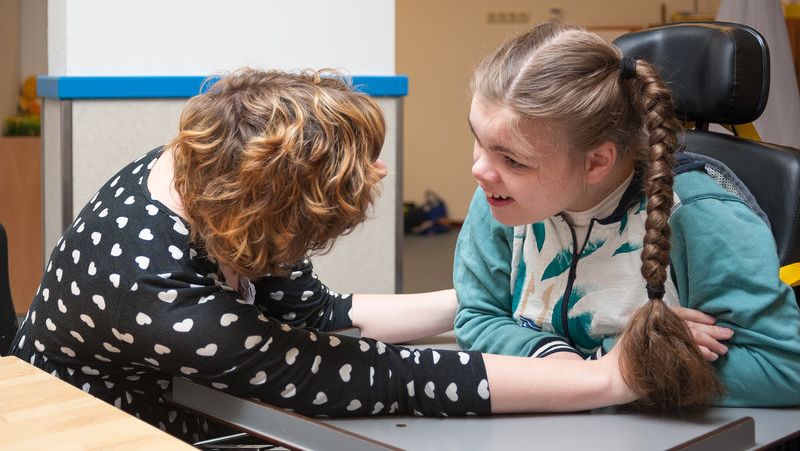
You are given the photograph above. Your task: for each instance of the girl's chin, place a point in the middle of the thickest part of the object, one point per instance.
(506, 217)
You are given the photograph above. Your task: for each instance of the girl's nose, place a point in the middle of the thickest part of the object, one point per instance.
(482, 169)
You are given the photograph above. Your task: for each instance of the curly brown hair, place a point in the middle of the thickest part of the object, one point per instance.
(271, 166)
(569, 77)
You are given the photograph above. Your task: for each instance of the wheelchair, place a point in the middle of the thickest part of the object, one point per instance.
(719, 73)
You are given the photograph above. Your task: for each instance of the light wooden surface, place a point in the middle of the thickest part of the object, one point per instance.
(21, 215)
(41, 412)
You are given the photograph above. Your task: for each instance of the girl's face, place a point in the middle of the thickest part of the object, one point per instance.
(525, 180)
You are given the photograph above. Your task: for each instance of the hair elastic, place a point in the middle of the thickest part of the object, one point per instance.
(655, 293)
(627, 67)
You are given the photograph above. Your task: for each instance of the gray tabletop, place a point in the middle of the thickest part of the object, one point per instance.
(610, 428)
(600, 429)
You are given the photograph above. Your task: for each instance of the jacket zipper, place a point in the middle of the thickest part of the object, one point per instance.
(576, 255)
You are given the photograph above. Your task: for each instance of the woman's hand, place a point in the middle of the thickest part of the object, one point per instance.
(706, 335)
(620, 392)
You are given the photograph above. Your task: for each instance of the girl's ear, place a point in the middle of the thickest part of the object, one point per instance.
(599, 161)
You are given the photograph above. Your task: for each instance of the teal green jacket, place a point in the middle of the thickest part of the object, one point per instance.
(512, 284)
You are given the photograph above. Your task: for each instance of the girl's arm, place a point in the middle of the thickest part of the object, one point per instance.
(482, 274)
(726, 265)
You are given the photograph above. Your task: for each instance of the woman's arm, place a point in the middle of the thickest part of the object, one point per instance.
(300, 299)
(399, 318)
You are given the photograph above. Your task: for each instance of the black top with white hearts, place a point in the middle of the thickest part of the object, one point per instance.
(126, 303)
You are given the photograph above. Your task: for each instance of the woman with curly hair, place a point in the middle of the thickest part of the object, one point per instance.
(191, 262)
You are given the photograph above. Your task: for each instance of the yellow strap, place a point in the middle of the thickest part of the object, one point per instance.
(790, 274)
(747, 131)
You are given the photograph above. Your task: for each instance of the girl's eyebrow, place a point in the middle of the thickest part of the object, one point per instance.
(472, 129)
(495, 148)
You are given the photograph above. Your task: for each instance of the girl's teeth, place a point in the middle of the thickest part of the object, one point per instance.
(498, 196)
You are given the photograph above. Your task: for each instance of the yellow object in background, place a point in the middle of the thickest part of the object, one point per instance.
(27, 121)
(791, 10)
(790, 274)
(28, 103)
(747, 131)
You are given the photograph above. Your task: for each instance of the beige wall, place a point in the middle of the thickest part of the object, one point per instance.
(33, 38)
(438, 44)
(9, 58)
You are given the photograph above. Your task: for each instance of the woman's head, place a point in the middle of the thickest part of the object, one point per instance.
(272, 165)
(575, 113)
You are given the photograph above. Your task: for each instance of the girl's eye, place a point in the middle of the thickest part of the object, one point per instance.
(512, 163)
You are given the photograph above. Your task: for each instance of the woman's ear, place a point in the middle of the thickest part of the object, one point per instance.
(599, 161)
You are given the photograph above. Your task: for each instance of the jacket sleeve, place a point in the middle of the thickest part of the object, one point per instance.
(300, 299)
(203, 331)
(481, 276)
(726, 265)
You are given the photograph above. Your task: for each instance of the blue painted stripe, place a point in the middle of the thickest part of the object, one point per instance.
(160, 87)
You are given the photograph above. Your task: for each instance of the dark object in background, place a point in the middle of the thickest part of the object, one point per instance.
(427, 219)
(8, 318)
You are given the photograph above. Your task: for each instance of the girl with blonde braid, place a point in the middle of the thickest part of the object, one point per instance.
(582, 191)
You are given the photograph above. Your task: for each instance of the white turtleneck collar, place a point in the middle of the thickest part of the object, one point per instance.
(581, 219)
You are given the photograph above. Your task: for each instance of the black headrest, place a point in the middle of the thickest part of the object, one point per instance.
(718, 72)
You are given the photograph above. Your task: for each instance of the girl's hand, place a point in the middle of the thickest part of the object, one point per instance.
(706, 335)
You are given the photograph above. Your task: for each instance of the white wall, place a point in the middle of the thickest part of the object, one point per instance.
(200, 37)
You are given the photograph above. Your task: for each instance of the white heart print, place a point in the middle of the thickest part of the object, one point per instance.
(180, 228)
(289, 391)
(344, 372)
(142, 261)
(208, 350)
(183, 326)
(142, 319)
(321, 398)
(100, 301)
(168, 296)
(227, 319)
(259, 378)
(291, 355)
(176, 253)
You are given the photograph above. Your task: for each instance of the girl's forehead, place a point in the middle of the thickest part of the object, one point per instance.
(500, 122)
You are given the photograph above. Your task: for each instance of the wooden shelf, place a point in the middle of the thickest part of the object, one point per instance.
(21, 214)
